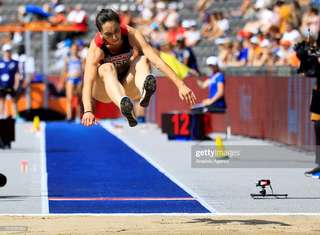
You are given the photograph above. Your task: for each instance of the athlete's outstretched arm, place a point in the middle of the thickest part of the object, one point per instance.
(93, 59)
(184, 92)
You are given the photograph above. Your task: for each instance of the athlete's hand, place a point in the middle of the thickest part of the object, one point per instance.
(88, 119)
(187, 94)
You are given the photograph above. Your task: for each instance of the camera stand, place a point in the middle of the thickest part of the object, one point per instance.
(262, 184)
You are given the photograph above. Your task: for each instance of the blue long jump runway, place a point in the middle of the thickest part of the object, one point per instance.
(92, 171)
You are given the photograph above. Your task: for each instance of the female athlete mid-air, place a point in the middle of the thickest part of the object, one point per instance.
(117, 69)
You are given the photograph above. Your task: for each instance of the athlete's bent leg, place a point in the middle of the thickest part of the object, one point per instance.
(144, 81)
(116, 91)
(113, 87)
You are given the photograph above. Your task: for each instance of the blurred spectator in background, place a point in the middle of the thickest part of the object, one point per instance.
(291, 34)
(9, 80)
(174, 33)
(147, 14)
(126, 17)
(30, 12)
(54, 3)
(216, 26)
(57, 19)
(230, 55)
(285, 53)
(223, 22)
(83, 49)
(274, 33)
(17, 38)
(215, 83)
(284, 11)
(172, 18)
(265, 19)
(310, 21)
(26, 70)
(202, 7)
(78, 17)
(224, 49)
(255, 51)
(73, 70)
(270, 21)
(161, 13)
(296, 14)
(185, 54)
(259, 4)
(192, 34)
(243, 9)
(6, 38)
(241, 51)
(157, 34)
(59, 16)
(166, 53)
(62, 51)
(265, 56)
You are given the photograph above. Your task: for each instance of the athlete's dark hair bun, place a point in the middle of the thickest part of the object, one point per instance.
(104, 16)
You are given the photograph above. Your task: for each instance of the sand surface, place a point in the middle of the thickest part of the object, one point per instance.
(159, 224)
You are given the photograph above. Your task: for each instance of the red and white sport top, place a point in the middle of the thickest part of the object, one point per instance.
(121, 59)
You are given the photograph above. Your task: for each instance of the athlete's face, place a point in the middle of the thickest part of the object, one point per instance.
(111, 32)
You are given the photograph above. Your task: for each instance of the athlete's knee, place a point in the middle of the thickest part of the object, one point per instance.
(107, 69)
(143, 60)
(142, 63)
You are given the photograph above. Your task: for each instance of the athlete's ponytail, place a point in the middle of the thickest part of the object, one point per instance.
(104, 16)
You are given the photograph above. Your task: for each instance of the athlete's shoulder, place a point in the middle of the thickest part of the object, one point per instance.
(131, 30)
(124, 29)
(98, 39)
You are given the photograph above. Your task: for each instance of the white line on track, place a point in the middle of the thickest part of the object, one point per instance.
(44, 175)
